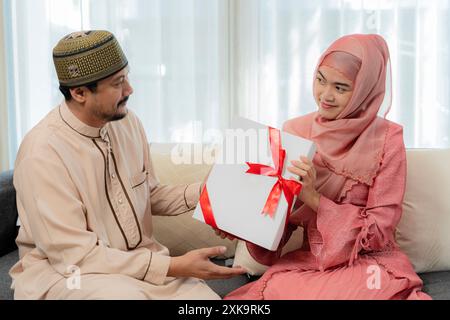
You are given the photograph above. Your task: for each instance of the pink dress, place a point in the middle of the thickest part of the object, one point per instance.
(349, 250)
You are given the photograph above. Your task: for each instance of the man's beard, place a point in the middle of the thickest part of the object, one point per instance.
(117, 116)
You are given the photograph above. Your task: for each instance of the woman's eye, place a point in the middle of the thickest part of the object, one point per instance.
(340, 89)
(320, 80)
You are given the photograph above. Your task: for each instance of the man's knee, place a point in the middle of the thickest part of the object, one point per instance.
(124, 292)
(104, 287)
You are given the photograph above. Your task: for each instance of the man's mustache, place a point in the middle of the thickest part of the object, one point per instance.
(124, 100)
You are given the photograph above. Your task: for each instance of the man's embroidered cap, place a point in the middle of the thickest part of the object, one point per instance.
(87, 56)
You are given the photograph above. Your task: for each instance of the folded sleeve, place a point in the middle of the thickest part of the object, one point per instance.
(174, 200)
(345, 230)
(58, 224)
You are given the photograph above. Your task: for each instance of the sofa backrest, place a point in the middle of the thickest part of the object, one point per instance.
(424, 229)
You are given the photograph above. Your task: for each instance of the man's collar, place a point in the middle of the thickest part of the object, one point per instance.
(77, 125)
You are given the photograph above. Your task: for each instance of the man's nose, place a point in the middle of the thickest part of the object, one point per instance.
(128, 89)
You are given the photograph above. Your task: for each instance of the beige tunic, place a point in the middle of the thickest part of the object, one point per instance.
(85, 198)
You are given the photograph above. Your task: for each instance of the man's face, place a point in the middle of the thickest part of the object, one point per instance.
(332, 92)
(108, 101)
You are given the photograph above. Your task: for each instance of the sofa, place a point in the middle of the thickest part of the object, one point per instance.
(423, 232)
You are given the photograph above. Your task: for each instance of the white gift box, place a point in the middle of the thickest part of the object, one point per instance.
(237, 198)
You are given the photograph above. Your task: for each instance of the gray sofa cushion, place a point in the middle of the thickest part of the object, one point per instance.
(8, 214)
(437, 284)
(6, 262)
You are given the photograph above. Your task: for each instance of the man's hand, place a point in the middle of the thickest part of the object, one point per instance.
(196, 264)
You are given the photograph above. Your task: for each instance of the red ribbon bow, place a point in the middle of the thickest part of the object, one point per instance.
(290, 188)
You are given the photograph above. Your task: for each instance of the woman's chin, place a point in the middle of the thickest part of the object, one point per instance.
(326, 114)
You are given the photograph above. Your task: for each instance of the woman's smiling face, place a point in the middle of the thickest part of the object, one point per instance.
(332, 92)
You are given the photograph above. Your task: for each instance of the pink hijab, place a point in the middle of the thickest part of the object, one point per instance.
(351, 146)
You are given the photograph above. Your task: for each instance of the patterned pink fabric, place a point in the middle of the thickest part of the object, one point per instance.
(347, 244)
(345, 63)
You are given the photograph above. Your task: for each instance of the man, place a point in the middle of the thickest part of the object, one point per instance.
(86, 192)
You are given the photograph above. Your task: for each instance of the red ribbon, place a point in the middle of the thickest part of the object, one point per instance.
(290, 188)
(206, 208)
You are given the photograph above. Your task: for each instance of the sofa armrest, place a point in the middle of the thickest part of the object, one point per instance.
(8, 214)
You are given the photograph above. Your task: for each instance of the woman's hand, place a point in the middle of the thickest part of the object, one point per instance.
(307, 175)
(223, 234)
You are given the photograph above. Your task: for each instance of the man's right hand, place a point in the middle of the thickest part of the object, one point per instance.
(196, 264)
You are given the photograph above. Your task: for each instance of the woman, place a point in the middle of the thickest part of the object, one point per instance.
(352, 194)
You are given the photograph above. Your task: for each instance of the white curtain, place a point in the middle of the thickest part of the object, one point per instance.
(197, 63)
(4, 143)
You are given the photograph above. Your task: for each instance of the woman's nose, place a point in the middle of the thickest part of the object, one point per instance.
(327, 94)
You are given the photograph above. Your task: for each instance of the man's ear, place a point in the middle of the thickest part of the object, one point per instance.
(78, 94)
